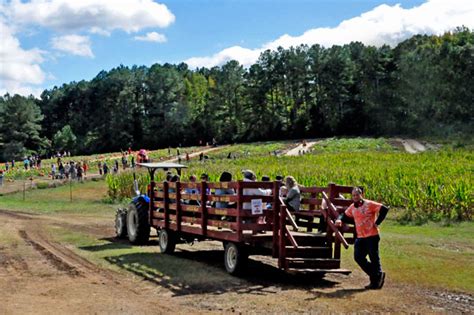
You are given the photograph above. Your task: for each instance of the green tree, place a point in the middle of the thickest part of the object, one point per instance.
(20, 127)
(65, 139)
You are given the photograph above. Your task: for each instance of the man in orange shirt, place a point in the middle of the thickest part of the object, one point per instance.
(367, 216)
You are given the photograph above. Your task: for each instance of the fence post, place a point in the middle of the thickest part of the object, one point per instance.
(203, 208)
(178, 206)
(276, 222)
(165, 204)
(240, 192)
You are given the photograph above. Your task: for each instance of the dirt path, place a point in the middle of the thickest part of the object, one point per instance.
(411, 146)
(301, 148)
(197, 153)
(53, 278)
(40, 276)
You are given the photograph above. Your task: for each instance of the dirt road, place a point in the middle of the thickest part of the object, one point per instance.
(411, 145)
(39, 275)
(301, 148)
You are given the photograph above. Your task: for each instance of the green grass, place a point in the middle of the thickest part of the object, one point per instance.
(86, 199)
(430, 255)
(353, 145)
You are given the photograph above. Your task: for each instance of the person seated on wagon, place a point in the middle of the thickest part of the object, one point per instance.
(189, 190)
(225, 177)
(249, 176)
(292, 199)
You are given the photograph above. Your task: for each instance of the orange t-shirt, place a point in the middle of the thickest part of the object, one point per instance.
(364, 218)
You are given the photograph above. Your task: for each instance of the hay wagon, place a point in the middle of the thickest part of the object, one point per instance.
(251, 219)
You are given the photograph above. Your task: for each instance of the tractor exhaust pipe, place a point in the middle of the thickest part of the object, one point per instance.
(135, 185)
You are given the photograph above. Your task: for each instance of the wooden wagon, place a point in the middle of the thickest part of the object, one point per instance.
(250, 219)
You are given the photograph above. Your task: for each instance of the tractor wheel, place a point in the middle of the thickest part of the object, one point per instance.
(235, 258)
(138, 227)
(167, 240)
(121, 223)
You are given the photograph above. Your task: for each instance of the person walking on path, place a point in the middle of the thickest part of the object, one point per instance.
(105, 169)
(99, 165)
(53, 171)
(367, 216)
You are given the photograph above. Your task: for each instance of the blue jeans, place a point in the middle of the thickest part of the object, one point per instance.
(368, 246)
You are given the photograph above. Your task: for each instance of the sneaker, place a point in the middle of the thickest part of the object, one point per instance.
(381, 280)
(370, 286)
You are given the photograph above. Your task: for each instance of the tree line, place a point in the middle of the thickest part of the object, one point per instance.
(423, 86)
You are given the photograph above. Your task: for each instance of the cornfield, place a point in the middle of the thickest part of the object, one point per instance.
(434, 185)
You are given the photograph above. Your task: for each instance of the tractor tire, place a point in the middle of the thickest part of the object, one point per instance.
(167, 240)
(235, 258)
(121, 223)
(138, 226)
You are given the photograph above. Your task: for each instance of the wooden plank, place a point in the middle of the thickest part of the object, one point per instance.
(291, 238)
(275, 218)
(248, 198)
(223, 235)
(222, 185)
(316, 190)
(203, 208)
(309, 252)
(191, 185)
(178, 207)
(223, 198)
(311, 201)
(196, 197)
(159, 204)
(222, 211)
(190, 208)
(262, 185)
(310, 263)
(165, 204)
(191, 220)
(308, 213)
(240, 191)
(341, 202)
(256, 227)
(159, 194)
(158, 215)
(222, 224)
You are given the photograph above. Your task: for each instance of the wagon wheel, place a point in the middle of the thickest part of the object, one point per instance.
(121, 223)
(235, 258)
(167, 240)
(138, 228)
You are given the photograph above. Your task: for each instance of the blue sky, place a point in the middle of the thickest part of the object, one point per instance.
(41, 49)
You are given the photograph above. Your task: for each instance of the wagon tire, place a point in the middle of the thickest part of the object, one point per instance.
(121, 223)
(138, 227)
(235, 258)
(167, 241)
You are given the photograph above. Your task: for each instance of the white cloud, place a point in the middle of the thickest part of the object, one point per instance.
(73, 44)
(152, 37)
(97, 16)
(20, 68)
(382, 25)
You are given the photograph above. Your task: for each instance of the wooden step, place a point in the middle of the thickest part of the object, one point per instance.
(309, 239)
(313, 263)
(309, 251)
(339, 270)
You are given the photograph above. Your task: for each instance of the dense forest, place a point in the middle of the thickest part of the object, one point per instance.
(423, 86)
